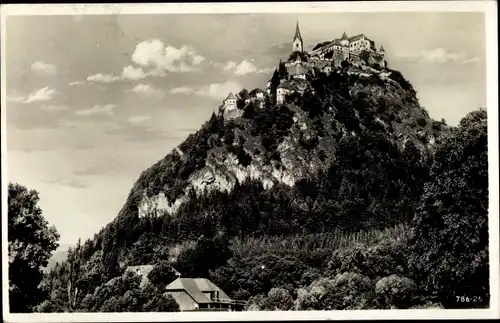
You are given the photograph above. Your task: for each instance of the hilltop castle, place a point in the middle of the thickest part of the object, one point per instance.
(357, 50)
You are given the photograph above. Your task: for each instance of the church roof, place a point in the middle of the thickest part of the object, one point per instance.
(297, 33)
(344, 36)
(382, 48)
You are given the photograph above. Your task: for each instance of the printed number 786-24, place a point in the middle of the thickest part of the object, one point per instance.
(468, 299)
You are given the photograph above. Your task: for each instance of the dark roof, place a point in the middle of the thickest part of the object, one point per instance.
(344, 36)
(336, 42)
(382, 48)
(354, 38)
(294, 85)
(297, 32)
(303, 56)
(195, 287)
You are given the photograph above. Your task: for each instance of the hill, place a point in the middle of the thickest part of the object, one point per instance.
(314, 191)
(59, 256)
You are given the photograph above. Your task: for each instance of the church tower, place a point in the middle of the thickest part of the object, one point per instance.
(298, 43)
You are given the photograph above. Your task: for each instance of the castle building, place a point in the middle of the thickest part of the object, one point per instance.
(350, 49)
(358, 50)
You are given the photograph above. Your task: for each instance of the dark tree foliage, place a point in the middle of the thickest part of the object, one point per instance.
(210, 252)
(272, 124)
(31, 242)
(162, 274)
(450, 246)
(365, 56)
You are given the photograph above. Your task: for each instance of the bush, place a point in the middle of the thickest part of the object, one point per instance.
(422, 122)
(395, 292)
(344, 291)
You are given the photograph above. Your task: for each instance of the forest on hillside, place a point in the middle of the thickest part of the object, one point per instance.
(379, 227)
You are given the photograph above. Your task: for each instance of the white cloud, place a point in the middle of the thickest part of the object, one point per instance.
(104, 78)
(219, 90)
(43, 68)
(182, 90)
(154, 53)
(244, 68)
(97, 109)
(138, 119)
(76, 83)
(40, 95)
(441, 55)
(16, 98)
(229, 66)
(147, 90)
(133, 73)
(129, 72)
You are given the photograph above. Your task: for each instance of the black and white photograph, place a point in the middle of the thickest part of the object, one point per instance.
(249, 161)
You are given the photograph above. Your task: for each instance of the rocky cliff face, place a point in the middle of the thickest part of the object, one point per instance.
(234, 149)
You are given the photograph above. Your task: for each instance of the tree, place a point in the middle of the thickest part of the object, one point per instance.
(31, 242)
(75, 266)
(450, 230)
(162, 274)
(282, 71)
(365, 56)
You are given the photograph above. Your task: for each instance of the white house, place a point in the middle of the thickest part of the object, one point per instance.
(230, 101)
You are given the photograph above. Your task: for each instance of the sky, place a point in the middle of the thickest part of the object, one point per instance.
(92, 101)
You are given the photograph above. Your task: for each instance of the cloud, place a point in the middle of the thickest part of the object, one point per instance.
(441, 55)
(229, 66)
(129, 72)
(244, 68)
(76, 83)
(139, 133)
(181, 90)
(154, 53)
(16, 98)
(40, 95)
(138, 119)
(70, 182)
(219, 90)
(97, 109)
(96, 170)
(133, 73)
(104, 78)
(55, 107)
(147, 90)
(43, 68)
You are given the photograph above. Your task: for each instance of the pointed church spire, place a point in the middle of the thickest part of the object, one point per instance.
(382, 49)
(344, 36)
(297, 33)
(298, 43)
